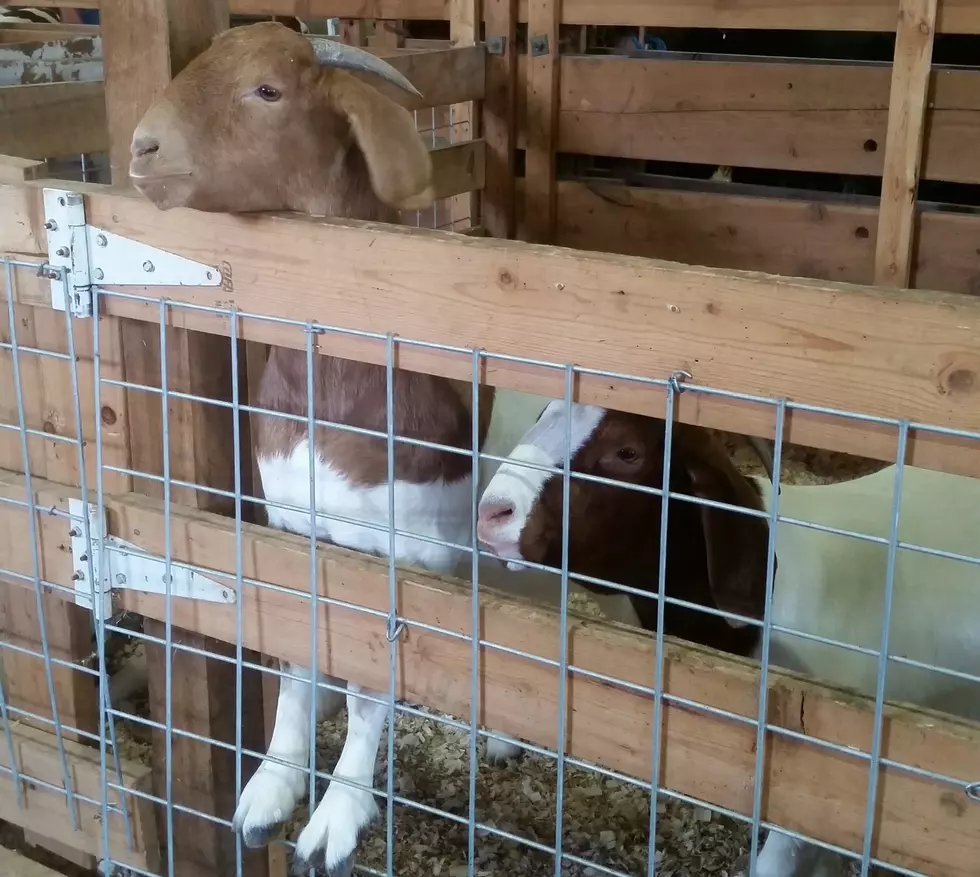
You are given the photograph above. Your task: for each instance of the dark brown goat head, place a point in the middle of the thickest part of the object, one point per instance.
(715, 557)
(267, 119)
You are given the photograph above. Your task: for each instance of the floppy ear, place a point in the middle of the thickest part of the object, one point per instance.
(397, 160)
(736, 544)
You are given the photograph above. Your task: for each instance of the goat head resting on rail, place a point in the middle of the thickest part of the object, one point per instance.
(267, 119)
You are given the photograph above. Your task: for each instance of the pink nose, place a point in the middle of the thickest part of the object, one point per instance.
(493, 516)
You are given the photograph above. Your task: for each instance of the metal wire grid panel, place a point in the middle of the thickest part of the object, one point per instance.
(113, 789)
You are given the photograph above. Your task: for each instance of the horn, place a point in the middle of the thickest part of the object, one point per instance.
(331, 53)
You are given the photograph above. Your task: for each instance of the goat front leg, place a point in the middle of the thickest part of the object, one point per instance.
(331, 836)
(270, 796)
(785, 856)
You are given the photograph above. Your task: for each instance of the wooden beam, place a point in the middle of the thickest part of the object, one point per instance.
(46, 811)
(15, 865)
(830, 118)
(792, 236)
(903, 150)
(464, 30)
(879, 352)
(459, 168)
(145, 41)
(956, 16)
(543, 66)
(15, 170)
(809, 787)
(52, 120)
(499, 115)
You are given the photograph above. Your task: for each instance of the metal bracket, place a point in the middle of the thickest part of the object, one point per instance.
(93, 255)
(496, 45)
(539, 45)
(120, 565)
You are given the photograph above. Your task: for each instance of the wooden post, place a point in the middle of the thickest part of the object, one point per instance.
(540, 183)
(499, 114)
(464, 30)
(903, 147)
(144, 42)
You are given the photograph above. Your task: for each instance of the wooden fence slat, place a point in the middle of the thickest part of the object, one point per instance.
(956, 16)
(809, 787)
(499, 116)
(903, 150)
(877, 352)
(543, 67)
(52, 120)
(792, 236)
(830, 118)
(143, 42)
(464, 30)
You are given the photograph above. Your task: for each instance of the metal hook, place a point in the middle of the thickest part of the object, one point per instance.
(973, 792)
(393, 628)
(675, 380)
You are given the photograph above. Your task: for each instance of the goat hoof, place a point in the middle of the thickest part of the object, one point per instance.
(330, 839)
(258, 836)
(501, 752)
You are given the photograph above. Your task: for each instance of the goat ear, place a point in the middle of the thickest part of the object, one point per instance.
(736, 544)
(397, 160)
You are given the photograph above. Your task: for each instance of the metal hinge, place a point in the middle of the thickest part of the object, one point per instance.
(85, 255)
(115, 564)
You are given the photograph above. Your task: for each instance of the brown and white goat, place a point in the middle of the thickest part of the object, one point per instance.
(826, 584)
(268, 120)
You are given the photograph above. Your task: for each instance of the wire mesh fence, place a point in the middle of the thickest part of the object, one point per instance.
(574, 496)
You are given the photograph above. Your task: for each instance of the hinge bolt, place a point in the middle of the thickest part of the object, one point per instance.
(148, 266)
(51, 225)
(74, 532)
(78, 577)
(83, 558)
(99, 273)
(120, 579)
(100, 240)
(63, 252)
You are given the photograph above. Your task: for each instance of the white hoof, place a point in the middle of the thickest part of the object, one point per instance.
(501, 751)
(332, 834)
(267, 802)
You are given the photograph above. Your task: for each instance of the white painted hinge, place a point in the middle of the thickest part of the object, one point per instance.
(115, 564)
(91, 255)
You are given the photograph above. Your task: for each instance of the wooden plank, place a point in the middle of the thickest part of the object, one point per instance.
(464, 30)
(705, 755)
(498, 120)
(16, 865)
(146, 41)
(15, 170)
(86, 861)
(540, 183)
(829, 118)
(903, 149)
(956, 16)
(459, 168)
(879, 352)
(52, 120)
(443, 76)
(46, 810)
(831, 240)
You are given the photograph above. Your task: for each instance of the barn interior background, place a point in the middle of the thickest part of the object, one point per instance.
(830, 143)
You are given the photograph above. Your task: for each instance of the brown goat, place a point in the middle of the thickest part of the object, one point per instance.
(267, 120)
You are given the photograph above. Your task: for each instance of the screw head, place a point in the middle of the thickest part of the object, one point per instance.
(74, 200)
(148, 266)
(64, 252)
(120, 579)
(99, 274)
(100, 240)
(51, 225)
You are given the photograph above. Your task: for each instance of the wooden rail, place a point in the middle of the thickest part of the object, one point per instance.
(956, 16)
(809, 787)
(884, 353)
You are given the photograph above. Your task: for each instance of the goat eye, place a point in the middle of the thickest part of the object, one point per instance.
(627, 455)
(268, 93)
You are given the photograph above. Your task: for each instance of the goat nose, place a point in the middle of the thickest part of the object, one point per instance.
(145, 146)
(493, 515)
